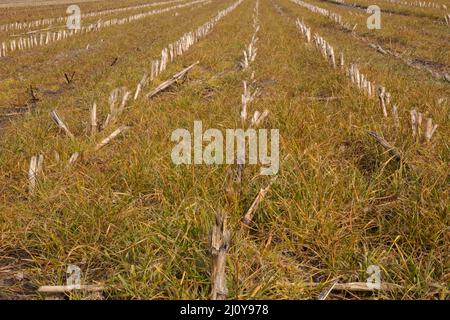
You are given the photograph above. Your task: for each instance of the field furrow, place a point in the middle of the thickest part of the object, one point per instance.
(115, 154)
(398, 37)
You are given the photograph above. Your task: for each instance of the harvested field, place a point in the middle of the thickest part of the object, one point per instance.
(96, 185)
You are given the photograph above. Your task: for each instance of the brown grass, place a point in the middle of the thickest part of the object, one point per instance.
(138, 224)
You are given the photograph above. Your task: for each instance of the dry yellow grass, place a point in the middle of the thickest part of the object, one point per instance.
(137, 224)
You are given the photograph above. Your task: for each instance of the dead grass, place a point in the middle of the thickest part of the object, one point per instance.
(413, 37)
(139, 224)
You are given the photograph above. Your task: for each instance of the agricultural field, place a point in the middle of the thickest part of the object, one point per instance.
(114, 181)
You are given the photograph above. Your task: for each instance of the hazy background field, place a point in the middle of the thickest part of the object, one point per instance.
(28, 3)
